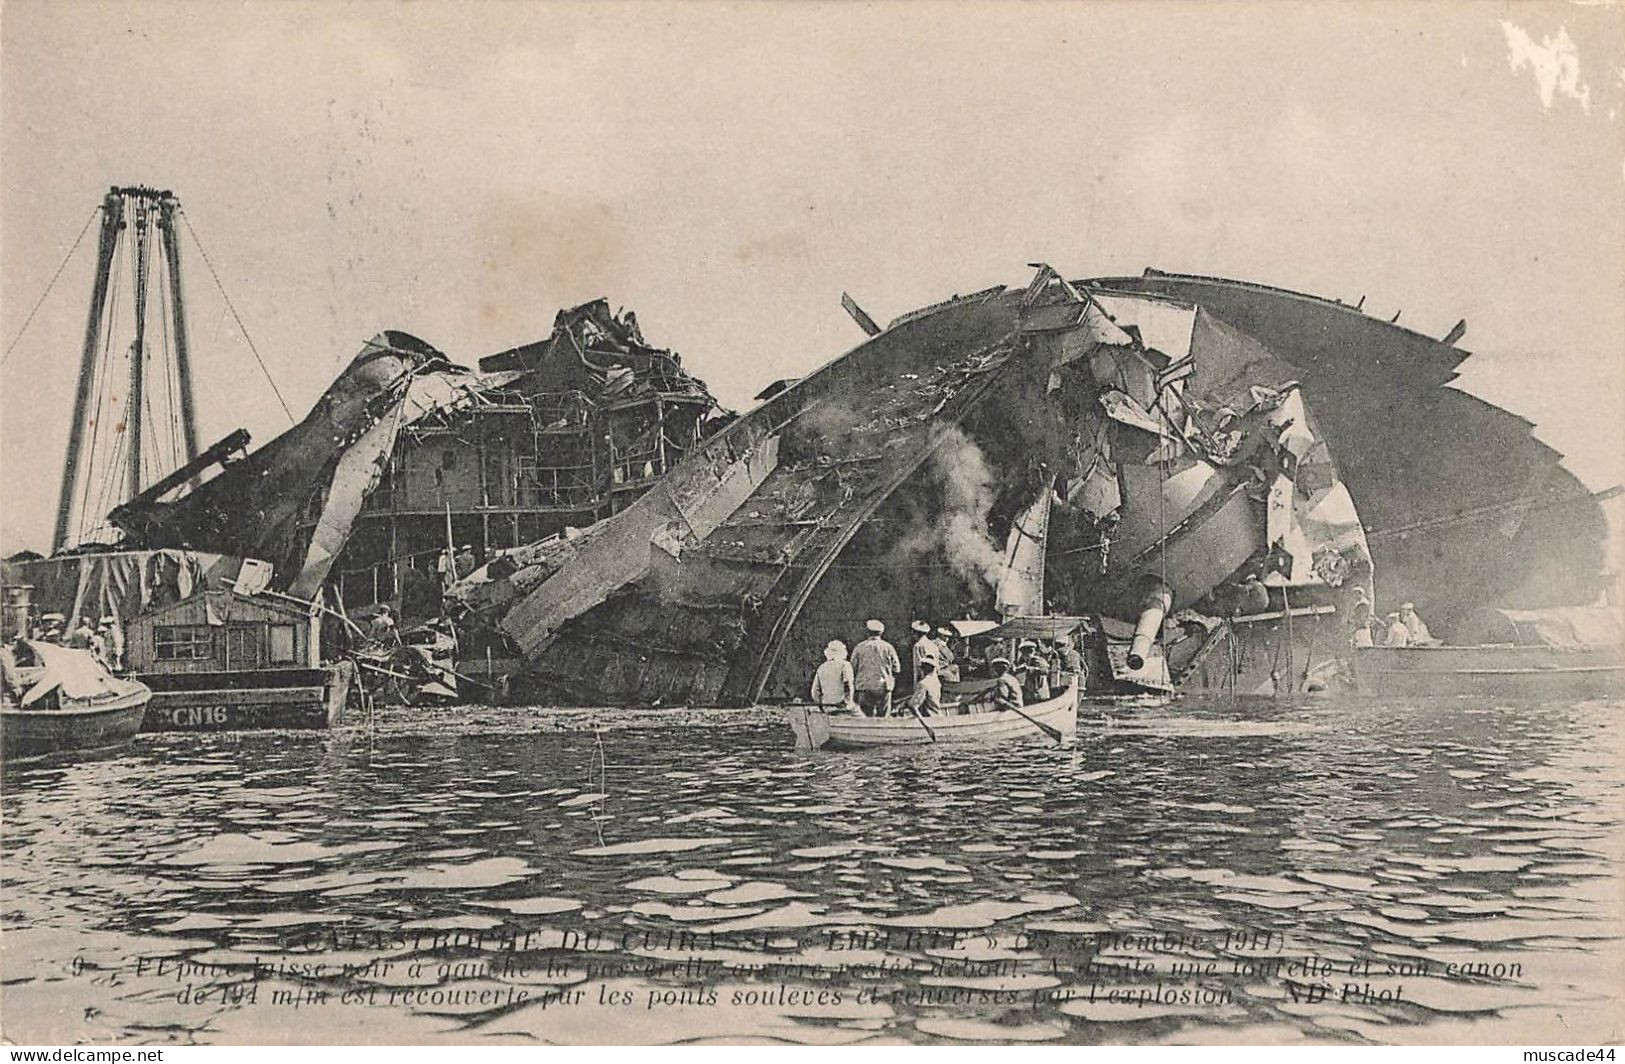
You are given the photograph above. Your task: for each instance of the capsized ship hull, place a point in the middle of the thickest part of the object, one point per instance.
(1190, 433)
(1464, 508)
(909, 479)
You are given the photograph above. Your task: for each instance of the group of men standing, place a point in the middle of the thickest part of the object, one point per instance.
(868, 681)
(105, 641)
(452, 567)
(1403, 627)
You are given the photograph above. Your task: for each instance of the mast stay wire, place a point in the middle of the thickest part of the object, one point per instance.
(94, 214)
(241, 327)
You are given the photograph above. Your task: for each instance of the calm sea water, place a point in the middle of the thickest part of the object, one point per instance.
(1185, 873)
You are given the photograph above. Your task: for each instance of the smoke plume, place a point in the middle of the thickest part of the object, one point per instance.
(967, 497)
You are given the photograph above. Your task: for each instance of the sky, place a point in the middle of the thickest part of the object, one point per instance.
(462, 172)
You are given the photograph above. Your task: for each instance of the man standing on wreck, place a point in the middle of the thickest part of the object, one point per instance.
(874, 671)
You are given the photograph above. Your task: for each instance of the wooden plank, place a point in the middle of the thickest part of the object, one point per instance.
(1275, 615)
(273, 696)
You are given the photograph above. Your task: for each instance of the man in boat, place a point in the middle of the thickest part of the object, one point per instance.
(1006, 688)
(874, 670)
(13, 656)
(1071, 660)
(53, 626)
(1052, 651)
(1034, 668)
(82, 635)
(948, 661)
(1360, 618)
(1415, 627)
(927, 697)
(1398, 634)
(925, 649)
(833, 687)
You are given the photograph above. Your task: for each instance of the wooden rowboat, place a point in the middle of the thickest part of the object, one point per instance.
(63, 699)
(814, 728)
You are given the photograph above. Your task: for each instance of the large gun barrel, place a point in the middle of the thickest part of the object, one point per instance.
(1154, 607)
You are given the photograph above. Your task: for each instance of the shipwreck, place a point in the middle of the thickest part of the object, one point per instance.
(1126, 449)
(1201, 473)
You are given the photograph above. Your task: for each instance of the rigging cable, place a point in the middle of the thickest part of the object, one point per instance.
(241, 327)
(51, 284)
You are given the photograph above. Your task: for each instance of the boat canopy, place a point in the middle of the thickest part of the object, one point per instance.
(1567, 627)
(1036, 628)
(76, 672)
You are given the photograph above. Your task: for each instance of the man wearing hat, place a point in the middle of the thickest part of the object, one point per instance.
(1006, 688)
(927, 697)
(833, 686)
(112, 638)
(1415, 627)
(1360, 618)
(465, 560)
(947, 660)
(1035, 668)
(52, 627)
(874, 671)
(925, 649)
(1071, 660)
(1398, 634)
(382, 627)
(81, 636)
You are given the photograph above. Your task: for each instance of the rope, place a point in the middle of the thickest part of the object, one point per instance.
(1163, 463)
(51, 284)
(1309, 657)
(1286, 607)
(241, 327)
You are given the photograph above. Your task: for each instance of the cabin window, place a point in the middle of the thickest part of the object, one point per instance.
(182, 642)
(282, 644)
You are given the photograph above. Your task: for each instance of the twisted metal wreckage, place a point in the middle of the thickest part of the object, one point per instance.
(1127, 450)
(1093, 448)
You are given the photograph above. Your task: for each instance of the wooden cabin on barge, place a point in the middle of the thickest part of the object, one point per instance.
(221, 661)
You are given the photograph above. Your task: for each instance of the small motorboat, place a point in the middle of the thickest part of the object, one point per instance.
(1495, 670)
(815, 728)
(1568, 652)
(59, 698)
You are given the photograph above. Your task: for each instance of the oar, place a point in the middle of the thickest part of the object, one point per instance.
(923, 724)
(1053, 733)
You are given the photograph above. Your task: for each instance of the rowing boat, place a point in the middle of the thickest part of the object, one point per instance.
(63, 699)
(814, 728)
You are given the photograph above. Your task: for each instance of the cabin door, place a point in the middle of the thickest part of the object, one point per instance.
(244, 648)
